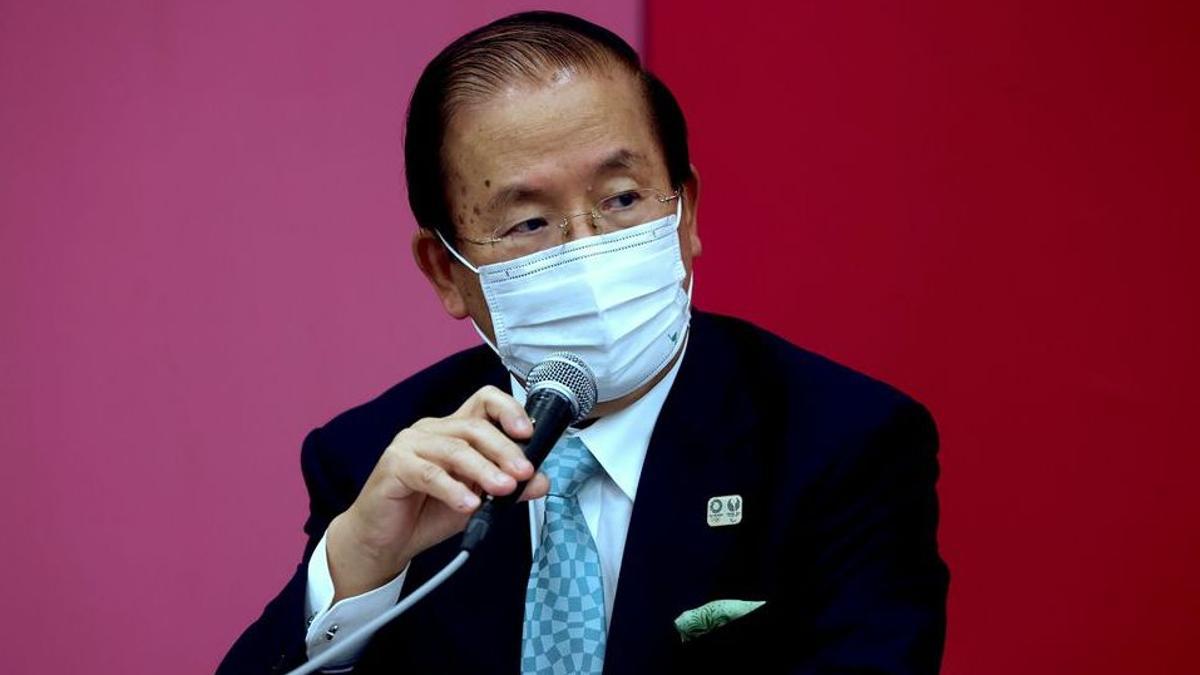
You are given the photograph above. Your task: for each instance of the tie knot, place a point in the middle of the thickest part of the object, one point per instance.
(568, 466)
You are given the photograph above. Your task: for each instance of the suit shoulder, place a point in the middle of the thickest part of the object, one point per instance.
(434, 391)
(817, 389)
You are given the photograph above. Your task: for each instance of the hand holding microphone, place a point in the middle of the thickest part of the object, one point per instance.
(561, 391)
(422, 489)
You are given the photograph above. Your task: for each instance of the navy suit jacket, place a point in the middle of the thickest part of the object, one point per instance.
(837, 476)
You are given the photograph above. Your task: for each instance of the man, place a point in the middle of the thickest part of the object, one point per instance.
(732, 504)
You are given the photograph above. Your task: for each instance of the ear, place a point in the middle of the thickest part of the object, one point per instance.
(437, 265)
(691, 203)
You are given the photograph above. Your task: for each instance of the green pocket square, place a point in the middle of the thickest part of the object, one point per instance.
(696, 622)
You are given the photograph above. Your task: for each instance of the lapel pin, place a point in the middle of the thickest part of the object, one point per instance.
(725, 510)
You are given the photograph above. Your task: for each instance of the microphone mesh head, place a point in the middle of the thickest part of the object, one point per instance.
(567, 373)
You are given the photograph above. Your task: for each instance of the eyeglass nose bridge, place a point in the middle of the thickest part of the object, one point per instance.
(565, 224)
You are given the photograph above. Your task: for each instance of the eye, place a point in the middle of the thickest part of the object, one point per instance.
(527, 226)
(621, 202)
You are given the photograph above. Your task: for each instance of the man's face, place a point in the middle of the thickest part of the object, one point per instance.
(555, 145)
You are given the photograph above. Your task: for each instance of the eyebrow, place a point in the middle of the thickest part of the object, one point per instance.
(517, 192)
(622, 159)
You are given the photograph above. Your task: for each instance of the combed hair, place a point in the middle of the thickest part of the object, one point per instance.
(518, 47)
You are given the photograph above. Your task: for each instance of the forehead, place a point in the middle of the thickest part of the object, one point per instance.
(549, 133)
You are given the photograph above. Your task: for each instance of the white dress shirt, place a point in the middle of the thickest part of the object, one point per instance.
(617, 441)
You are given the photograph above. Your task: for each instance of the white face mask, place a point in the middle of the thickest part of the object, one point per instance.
(614, 299)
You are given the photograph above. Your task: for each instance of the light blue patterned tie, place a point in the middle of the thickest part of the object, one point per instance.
(564, 603)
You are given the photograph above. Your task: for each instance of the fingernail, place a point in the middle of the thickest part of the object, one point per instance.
(470, 501)
(520, 465)
(500, 477)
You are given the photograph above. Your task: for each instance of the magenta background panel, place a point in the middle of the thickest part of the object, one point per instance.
(203, 254)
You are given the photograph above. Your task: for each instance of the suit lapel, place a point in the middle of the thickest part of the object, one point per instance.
(491, 590)
(673, 560)
(495, 594)
(473, 622)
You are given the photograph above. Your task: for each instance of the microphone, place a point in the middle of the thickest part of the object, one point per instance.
(561, 391)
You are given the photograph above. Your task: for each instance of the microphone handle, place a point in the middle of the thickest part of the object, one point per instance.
(551, 414)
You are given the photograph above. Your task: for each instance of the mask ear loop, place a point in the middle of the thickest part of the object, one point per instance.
(678, 222)
(483, 336)
(466, 263)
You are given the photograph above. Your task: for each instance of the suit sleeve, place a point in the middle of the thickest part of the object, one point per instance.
(878, 586)
(275, 642)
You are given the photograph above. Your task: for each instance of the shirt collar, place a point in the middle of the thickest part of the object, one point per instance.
(619, 441)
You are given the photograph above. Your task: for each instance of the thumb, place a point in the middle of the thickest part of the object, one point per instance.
(538, 486)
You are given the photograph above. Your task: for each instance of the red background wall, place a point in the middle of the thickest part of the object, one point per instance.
(993, 206)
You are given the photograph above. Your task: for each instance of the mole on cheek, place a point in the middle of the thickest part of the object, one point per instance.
(476, 209)
(487, 183)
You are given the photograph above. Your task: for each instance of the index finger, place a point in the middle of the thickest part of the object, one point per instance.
(492, 404)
